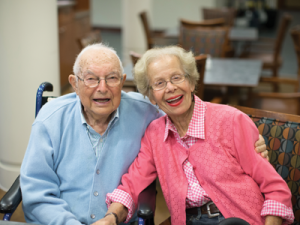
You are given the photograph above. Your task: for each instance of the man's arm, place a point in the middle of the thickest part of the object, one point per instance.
(40, 184)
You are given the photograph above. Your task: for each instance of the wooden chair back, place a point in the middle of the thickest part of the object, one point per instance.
(147, 29)
(200, 63)
(134, 57)
(284, 24)
(204, 40)
(282, 102)
(281, 133)
(228, 14)
(91, 38)
(219, 22)
(295, 33)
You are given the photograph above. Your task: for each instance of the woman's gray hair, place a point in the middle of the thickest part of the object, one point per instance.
(96, 46)
(186, 59)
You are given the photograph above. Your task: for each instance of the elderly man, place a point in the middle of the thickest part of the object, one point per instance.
(82, 143)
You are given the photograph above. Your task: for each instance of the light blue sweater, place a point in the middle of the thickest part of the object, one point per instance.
(62, 181)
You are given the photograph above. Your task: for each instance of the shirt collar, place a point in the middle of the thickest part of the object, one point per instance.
(196, 125)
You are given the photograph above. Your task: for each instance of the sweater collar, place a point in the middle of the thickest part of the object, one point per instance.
(115, 114)
(196, 126)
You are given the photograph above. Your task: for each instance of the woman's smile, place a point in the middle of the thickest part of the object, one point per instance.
(175, 101)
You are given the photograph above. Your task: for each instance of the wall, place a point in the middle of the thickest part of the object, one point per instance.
(28, 57)
(106, 13)
(164, 14)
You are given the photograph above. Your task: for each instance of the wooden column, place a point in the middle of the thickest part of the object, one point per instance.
(28, 57)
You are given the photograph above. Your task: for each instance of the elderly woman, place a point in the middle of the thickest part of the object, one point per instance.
(201, 152)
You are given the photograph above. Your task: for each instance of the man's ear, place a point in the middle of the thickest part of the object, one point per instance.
(73, 82)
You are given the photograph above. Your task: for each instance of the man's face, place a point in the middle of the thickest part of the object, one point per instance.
(100, 101)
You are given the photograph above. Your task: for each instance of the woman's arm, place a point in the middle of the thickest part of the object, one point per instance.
(141, 174)
(115, 213)
(273, 220)
(274, 188)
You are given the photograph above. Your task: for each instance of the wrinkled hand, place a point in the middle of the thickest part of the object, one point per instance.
(260, 147)
(108, 220)
(273, 220)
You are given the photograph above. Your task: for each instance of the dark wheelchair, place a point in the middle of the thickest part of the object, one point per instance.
(147, 199)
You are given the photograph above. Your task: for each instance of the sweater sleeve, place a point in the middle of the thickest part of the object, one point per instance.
(40, 184)
(269, 181)
(142, 171)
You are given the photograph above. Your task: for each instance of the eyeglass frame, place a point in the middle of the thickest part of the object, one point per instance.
(166, 82)
(99, 79)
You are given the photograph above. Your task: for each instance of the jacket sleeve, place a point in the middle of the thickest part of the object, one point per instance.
(142, 171)
(40, 184)
(269, 181)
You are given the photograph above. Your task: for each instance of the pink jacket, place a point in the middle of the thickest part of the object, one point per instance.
(237, 179)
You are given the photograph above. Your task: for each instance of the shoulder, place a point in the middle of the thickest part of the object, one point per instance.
(135, 97)
(222, 110)
(157, 124)
(58, 106)
(224, 115)
(139, 103)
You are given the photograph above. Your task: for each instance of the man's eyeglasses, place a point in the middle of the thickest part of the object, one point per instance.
(161, 84)
(111, 80)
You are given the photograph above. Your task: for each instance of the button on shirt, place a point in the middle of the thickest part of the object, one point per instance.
(196, 195)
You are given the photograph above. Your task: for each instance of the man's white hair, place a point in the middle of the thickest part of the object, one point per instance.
(97, 46)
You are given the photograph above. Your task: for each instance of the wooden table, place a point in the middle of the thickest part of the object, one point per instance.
(223, 72)
(232, 72)
(235, 33)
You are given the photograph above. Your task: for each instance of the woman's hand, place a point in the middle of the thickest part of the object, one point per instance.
(120, 211)
(273, 220)
(108, 220)
(260, 147)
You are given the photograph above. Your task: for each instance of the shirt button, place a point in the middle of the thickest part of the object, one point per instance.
(96, 193)
(98, 172)
(93, 216)
(101, 140)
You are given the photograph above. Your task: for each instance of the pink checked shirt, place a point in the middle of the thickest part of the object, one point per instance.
(196, 195)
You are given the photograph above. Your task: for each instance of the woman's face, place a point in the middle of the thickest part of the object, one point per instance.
(174, 99)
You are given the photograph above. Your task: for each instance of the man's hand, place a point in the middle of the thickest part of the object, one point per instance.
(260, 147)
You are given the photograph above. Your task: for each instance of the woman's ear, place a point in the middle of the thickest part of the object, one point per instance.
(192, 88)
(152, 101)
(151, 98)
